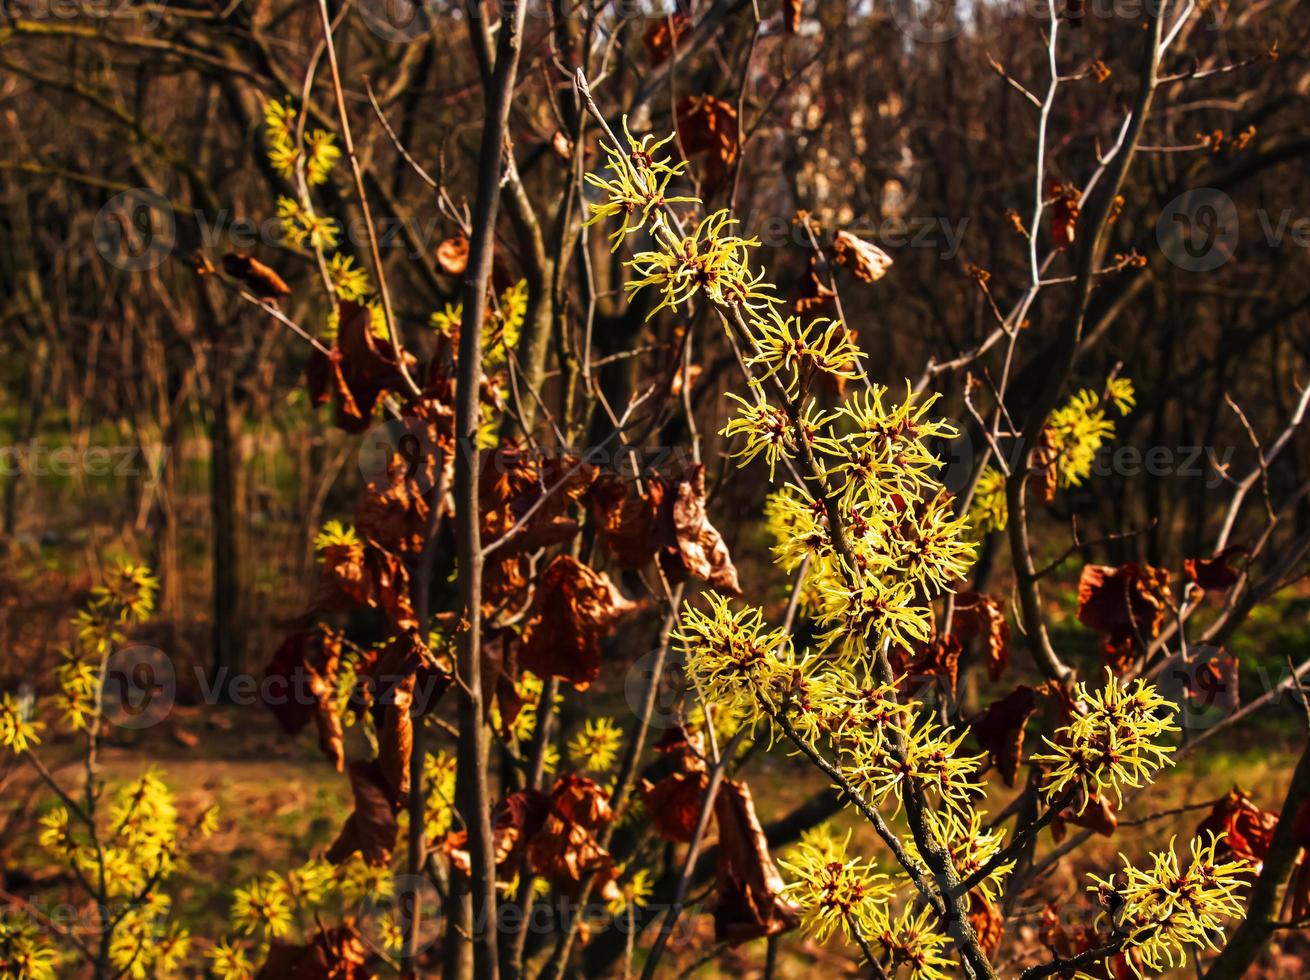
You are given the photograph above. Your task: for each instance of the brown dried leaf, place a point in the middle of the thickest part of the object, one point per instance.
(300, 686)
(453, 254)
(813, 295)
(999, 730)
(338, 953)
(747, 902)
(566, 848)
(1124, 604)
(1215, 574)
(370, 829)
(980, 615)
(987, 922)
(664, 35)
(626, 518)
(708, 126)
(866, 260)
(1064, 214)
(1250, 829)
(689, 544)
(791, 15)
(262, 280)
(572, 610)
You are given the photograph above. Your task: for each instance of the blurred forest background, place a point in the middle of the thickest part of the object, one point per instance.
(146, 411)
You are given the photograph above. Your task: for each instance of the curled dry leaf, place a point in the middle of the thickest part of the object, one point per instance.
(988, 923)
(514, 821)
(939, 658)
(674, 802)
(562, 145)
(791, 15)
(747, 902)
(500, 677)
(981, 615)
(393, 510)
(999, 730)
(1099, 816)
(664, 35)
(1063, 199)
(1249, 829)
(259, 278)
(370, 830)
(813, 295)
(300, 686)
(338, 953)
(690, 546)
(707, 126)
(385, 581)
(453, 254)
(626, 518)
(529, 498)
(1215, 574)
(1067, 943)
(565, 848)
(1124, 604)
(865, 260)
(356, 371)
(573, 608)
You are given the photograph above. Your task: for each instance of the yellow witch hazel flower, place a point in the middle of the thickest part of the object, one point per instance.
(321, 152)
(930, 762)
(1165, 909)
(439, 779)
(884, 447)
(970, 846)
(263, 907)
(1111, 745)
(872, 613)
(770, 430)
(305, 229)
(349, 281)
(634, 893)
(910, 941)
(597, 745)
(638, 187)
(989, 510)
(18, 731)
(230, 962)
(335, 534)
(791, 350)
(734, 659)
(25, 954)
(706, 259)
(834, 892)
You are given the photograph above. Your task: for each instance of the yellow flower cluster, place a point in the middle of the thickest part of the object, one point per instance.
(597, 746)
(275, 906)
(839, 894)
(876, 537)
(280, 129)
(25, 953)
(1073, 436)
(1165, 909)
(1112, 744)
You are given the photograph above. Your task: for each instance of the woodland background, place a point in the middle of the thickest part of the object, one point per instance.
(881, 121)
